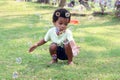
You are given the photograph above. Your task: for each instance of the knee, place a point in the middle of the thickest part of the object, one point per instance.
(67, 46)
(53, 46)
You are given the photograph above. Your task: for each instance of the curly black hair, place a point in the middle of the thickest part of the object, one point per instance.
(61, 13)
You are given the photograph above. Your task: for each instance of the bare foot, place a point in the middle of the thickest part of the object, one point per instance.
(53, 61)
(70, 63)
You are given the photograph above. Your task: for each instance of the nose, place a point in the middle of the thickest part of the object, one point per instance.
(63, 26)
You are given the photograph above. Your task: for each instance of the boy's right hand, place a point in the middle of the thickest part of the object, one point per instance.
(32, 48)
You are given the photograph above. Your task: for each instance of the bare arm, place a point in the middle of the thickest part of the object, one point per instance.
(41, 42)
(72, 44)
(74, 47)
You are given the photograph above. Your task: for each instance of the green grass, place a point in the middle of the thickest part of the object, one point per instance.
(23, 24)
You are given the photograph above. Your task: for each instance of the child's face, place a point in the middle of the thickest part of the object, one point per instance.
(61, 23)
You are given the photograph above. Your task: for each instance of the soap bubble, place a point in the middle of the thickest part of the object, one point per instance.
(90, 18)
(71, 28)
(19, 60)
(15, 75)
(37, 14)
(74, 53)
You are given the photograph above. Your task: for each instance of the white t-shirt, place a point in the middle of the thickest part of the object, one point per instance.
(59, 39)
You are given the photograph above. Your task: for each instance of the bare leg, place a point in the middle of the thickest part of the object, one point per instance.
(52, 50)
(68, 52)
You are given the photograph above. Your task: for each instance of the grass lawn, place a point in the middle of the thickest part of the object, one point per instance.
(23, 24)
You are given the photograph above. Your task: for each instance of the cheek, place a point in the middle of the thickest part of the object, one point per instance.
(57, 24)
(65, 27)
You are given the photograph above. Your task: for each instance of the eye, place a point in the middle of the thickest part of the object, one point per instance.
(66, 24)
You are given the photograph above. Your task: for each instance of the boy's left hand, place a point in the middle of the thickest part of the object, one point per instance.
(75, 50)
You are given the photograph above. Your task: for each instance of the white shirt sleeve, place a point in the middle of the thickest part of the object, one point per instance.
(69, 36)
(47, 36)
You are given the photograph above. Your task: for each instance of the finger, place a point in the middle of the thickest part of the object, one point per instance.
(30, 50)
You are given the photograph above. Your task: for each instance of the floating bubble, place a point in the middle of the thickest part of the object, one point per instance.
(81, 8)
(90, 18)
(37, 14)
(74, 53)
(19, 60)
(71, 28)
(15, 75)
(49, 24)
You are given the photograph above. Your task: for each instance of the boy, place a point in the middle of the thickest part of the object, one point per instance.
(63, 46)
